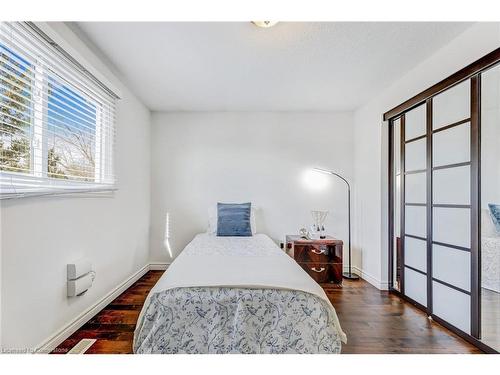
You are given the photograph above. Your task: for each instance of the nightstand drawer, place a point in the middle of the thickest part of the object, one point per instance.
(320, 272)
(311, 253)
(324, 272)
(321, 258)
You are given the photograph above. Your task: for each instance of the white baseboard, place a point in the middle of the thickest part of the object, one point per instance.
(382, 285)
(158, 266)
(52, 342)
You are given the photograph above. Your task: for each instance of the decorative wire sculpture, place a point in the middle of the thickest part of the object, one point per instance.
(319, 218)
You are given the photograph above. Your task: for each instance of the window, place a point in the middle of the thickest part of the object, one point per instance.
(72, 124)
(15, 112)
(57, 121)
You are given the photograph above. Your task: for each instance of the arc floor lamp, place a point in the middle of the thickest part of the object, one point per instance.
(348, 275)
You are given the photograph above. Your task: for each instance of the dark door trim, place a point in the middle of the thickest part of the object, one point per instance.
(430, 201)
(475, 199)
(482, 64)
(391, 257)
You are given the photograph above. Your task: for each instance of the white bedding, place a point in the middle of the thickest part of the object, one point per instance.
(233, 262)
(490, 261)
(211, 245)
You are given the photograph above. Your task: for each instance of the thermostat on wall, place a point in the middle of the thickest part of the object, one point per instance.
(79, 268)
(80, 277)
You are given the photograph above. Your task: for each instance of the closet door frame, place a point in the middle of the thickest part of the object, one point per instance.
(402, 200)
(473, 73)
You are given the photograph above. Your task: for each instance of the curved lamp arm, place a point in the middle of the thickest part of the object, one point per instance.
(349, 275)
(333, 173)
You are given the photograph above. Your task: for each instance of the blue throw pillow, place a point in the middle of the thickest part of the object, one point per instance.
(233, 219)
(495, 215)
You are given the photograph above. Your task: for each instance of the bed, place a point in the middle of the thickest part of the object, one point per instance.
(490, 252)
(236, 295)
(490, 263)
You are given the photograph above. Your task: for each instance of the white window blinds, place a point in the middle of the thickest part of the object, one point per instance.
(57, 120)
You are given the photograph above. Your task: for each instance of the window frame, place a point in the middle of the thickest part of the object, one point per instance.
(38, 180)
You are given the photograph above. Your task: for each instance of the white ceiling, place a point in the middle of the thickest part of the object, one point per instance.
(238, 67)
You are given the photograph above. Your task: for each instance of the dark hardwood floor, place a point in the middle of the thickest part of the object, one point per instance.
(374, 321)
(378, 322)
(490, 318)
(114, 326)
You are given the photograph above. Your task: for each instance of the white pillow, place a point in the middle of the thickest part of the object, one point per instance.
(488, 229)
(212, 220)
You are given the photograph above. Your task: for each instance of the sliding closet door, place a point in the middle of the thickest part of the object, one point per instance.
(414, 217)
(451, 206)
(438, 197)
(490, 207)
(444, 201)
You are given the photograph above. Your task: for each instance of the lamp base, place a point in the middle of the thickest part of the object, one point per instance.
(350, 276)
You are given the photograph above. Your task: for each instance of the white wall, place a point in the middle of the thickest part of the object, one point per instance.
(39, 236)
(490, 137)
(266, 158)
(371, 142)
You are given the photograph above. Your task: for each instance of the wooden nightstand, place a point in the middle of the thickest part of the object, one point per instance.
(320, 258)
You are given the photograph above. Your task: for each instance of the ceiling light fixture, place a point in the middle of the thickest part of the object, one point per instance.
(265, 24)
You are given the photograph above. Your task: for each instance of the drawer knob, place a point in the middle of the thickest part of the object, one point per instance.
(316, 270)
(318, 251)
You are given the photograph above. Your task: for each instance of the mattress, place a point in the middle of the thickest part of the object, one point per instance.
(237, 295)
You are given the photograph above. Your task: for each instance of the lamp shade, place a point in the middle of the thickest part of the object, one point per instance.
(265, 24)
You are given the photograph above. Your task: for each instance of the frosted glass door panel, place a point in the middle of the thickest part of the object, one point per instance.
(451, 146)
(451, 266)
(415, 188)
(416, 286)
(451, 305)
(397, 146)
(451, 106)
(490, 194)
(397, 207)
(451, 185)
(451, 226)
(416, 253)
(415, 155)
(415, 122)
(416, 221)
